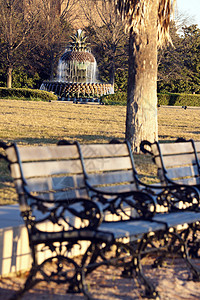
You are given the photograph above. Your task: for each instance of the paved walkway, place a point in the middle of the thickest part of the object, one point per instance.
(10, 216)
(171, 282)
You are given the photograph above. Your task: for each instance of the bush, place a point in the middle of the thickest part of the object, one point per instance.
(179, 99)
(26, 94)
(163, 99)
(115, 99)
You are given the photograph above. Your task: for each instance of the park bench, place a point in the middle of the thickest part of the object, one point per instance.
(178, 165)
(110, 176)
(177, 162)
(74, 193)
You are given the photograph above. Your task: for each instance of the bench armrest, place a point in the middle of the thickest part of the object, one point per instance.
(117, 203)
(145, 147)
(62, 212)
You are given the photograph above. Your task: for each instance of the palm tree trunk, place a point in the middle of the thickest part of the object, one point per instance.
(141, 117)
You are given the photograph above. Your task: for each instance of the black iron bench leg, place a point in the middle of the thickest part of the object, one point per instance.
(115, 255)
(185, 254)
(182, 250)
(30, 283)
(150, 290)
(131, 266)
(58, 269)
(191, 235)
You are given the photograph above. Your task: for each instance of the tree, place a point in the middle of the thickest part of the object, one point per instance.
(55, 29)
(170, 62)
(108, 39)
(16, 24)
(148, 24)
(33, 34)
(179, 66)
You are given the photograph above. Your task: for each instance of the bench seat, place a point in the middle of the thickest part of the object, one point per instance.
(175, 219)
(133, 229)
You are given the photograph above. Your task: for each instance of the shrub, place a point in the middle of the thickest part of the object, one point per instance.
(163, 99)
(179, 99)
(115, 99)
(26, 94)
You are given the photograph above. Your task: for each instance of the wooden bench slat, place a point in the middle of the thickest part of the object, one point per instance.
(55, 183)
(176, 148)
(47, 168)
(104, 150)
(134, 230)
(183, 172)
(154, 149)
(51, 194)
(118, 188)
(178, 160)
(15, 171)
(111, 177)
(37, 153)
(107, 164)
(188, 181)
(174, 219)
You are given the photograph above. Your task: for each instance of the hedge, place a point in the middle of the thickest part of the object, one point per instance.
(179, 99)
(26, 94)
(115, 99)
(163, 99)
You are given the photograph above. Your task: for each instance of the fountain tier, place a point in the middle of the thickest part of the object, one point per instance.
(73, 91)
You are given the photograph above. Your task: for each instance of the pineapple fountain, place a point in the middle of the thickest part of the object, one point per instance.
(77, 74)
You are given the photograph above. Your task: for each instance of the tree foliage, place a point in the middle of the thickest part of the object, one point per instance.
(32, 37)
(17, 22)
(179, 65)
(107, 37)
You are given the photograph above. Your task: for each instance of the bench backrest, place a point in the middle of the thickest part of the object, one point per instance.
(49, 172)
(197, 148)
(104, 173)
(109, 167)
(176, 162)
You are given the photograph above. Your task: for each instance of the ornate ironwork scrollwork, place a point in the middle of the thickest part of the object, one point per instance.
(56, 212)
(141, 204)
(179, 197)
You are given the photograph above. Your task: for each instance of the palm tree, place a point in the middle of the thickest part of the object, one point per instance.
(148, 24)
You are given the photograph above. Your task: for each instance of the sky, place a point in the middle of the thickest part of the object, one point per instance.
(190, 8)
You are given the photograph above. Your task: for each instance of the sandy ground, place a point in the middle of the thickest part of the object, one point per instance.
(172, 281)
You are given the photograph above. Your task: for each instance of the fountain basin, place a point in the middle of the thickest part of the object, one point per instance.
(88, 92)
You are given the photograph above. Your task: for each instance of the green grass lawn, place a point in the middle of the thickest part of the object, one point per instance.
(29, 122)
